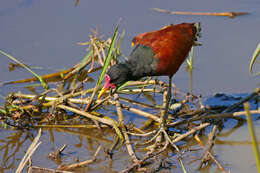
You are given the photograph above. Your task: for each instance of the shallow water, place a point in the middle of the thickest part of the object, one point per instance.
(45, 33)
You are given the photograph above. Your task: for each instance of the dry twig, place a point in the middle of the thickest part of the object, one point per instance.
(230, 14)
(122, 125)
(34, 169)
(80, 164)
(140, 112)
(148, 156)
(207, 151)
(34, 145)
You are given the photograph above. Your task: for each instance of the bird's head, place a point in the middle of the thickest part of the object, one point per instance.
(116, 76)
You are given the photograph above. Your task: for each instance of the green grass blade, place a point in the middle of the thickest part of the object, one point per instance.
(109, 57)
(122, 86)
(2, 111)
(182, 166)
(252, 134)
(257, 74)
(253, 59)
(44, 85)
(118, 50)
(84, 60)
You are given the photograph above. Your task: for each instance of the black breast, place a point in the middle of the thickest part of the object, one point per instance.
(141, 62)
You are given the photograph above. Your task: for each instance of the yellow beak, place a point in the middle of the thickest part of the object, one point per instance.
(132, 44)
(102, 92)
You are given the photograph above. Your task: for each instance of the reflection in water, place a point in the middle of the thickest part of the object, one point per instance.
(11, 146)
(30, 35)
(85, 142)
(235, 143)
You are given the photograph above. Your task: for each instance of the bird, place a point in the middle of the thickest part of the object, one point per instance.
(156, 53)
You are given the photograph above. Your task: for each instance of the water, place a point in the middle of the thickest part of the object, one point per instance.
(44, 33)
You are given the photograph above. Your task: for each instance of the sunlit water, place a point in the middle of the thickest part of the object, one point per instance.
(45, 33)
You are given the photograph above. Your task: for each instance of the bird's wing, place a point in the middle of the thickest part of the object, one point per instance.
(170, 45)
(142, 62)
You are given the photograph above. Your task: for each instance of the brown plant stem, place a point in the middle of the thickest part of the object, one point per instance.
(140, 112)
(148, 156)
(207, 150)
(124, 130)
(230, 14)
(88, 115)
(80, 164)
(193, 130)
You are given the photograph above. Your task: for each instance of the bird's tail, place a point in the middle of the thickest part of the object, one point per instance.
(197, 34)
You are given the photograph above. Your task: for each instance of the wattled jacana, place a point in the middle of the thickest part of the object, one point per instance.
(159, 52)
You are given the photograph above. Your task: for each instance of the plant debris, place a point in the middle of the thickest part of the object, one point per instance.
(71, 103)
(230, 14)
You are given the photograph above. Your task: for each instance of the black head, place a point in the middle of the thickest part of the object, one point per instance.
(119, 74)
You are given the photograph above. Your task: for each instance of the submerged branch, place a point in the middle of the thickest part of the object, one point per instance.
(81, 164)
(78, 96)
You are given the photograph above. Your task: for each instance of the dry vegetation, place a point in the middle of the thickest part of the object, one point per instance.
(70, 103)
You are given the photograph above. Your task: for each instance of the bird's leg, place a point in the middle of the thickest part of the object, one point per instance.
(168, 100)
(162, 130)
(164, 116)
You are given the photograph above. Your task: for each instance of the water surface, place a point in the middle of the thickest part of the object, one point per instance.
(44, 33)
